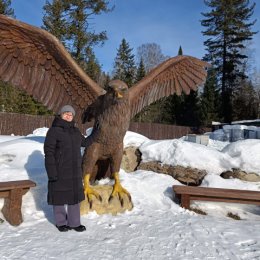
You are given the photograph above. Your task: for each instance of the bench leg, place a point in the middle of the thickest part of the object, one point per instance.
(12, 207)
(185, 201)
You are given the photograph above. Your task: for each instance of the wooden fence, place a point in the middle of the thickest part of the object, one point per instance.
(20, 124)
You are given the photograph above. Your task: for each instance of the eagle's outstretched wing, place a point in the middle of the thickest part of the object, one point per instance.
(35, 61)
(177, 74)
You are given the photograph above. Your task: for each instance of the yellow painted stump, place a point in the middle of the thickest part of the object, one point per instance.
(113, 207)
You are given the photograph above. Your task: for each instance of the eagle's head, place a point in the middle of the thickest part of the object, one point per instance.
(118, 89)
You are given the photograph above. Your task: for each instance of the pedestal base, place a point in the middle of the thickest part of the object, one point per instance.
(113, 207)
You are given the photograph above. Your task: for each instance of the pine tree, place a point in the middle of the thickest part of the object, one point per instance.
(91, 65)
(54, 20)
(124, 65)
(5, 8)
(80, 13)
(140, 73)
(182, 110)
(245, 102)
(210, 100)
(18, 101)
(228, 28)
(70, 21)
(180, 52)
(172, 109)
(190, 113)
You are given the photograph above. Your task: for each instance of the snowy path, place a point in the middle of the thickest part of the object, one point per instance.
(136, 235)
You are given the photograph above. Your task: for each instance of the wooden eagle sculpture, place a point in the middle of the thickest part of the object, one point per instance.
(34, 60)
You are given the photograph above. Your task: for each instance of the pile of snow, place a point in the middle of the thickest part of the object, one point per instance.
(157, 227)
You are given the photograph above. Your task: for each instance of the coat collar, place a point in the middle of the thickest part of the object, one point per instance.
(59, 122)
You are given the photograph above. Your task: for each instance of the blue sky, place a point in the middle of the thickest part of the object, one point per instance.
(168, 23)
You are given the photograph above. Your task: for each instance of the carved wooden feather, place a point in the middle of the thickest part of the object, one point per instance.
(35, 61)
(177, 74)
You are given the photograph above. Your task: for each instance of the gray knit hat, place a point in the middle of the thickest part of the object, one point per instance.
(67, 108)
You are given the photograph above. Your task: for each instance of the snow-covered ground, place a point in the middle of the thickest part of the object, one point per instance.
(156, 228)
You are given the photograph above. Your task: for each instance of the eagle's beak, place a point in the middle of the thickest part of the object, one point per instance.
(118, 95)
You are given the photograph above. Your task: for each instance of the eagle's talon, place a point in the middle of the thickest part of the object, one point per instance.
(110, 198)
(121, 200)
(90, 203)
(119, 191)
(89, 191)
(129, 197)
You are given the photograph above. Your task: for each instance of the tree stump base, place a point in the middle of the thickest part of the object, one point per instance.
(113, 207)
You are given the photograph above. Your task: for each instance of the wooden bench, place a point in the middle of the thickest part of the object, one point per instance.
(187, 193)
(12, 192)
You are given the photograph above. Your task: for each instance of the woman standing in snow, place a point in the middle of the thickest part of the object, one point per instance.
(63, 165)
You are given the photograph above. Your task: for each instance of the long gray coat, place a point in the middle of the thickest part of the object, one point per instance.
(63, 163)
